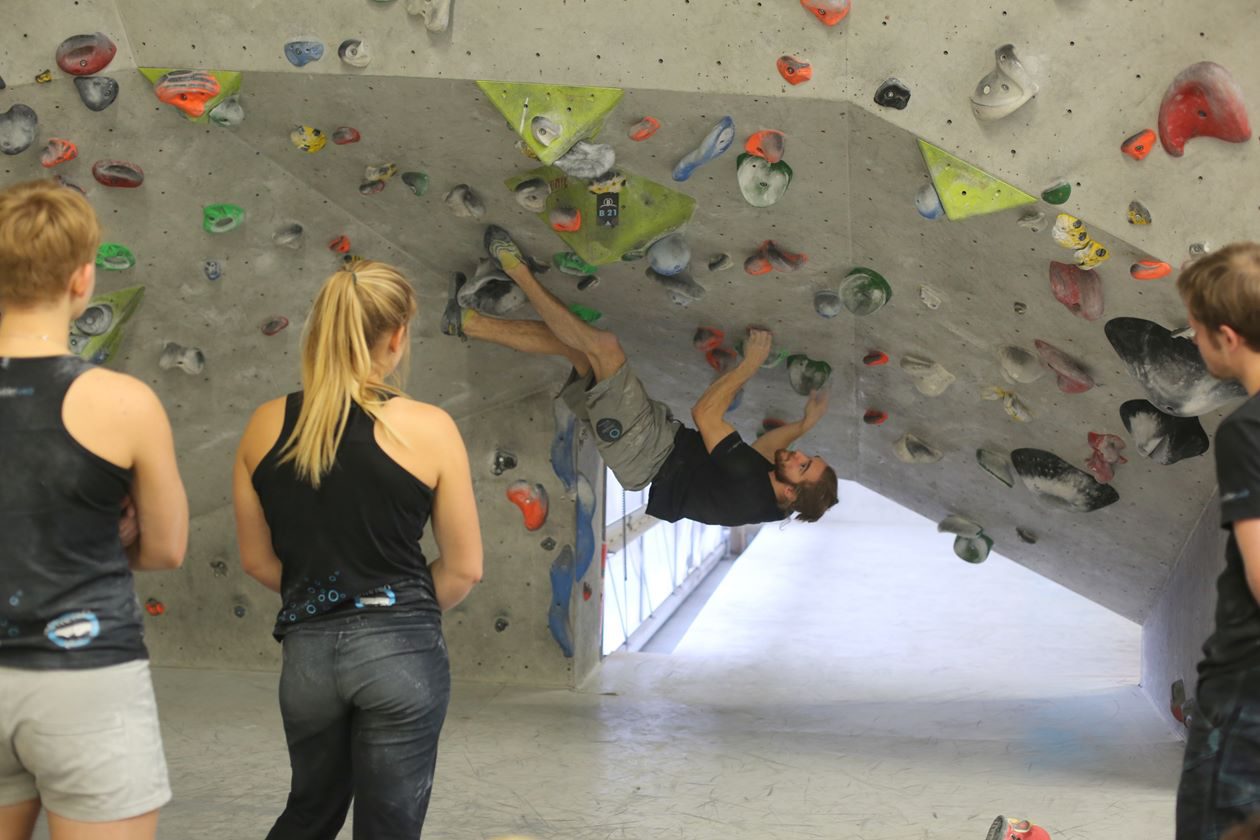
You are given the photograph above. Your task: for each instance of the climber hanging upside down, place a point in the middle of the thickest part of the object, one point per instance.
(707, 474)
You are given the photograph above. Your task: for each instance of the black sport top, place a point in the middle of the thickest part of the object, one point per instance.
(729, 486)
(67, 600)
(354, 543)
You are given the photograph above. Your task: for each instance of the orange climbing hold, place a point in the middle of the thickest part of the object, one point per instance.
(708, 338)
(187, 90)
(793, 70)
(1149, 270)
(644, 129)
(340, 245)
(874, 417)
(1139, 145)
(875, 358)
(565, 219)
(57, 151)
(721, 359)
(829, 12)
(532, 500)
(770, 257)
(768, 144)
(154, 607)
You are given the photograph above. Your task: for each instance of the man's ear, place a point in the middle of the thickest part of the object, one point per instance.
(1229, 337)
(82, 281)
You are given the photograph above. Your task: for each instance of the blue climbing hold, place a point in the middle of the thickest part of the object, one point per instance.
(717, 141)
(585, 526)
(213, 269)
(563, 451)
(928, 202)
(301, 53)
(562, 579)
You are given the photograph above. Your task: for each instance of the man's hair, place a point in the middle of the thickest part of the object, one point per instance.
(814, 498)
(1249, 830)
(47, 232)
(1223, 289)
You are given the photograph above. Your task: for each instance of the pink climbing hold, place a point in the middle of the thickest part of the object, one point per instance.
(1105, 455)
(1079, 290)
(1072, 377)
(1203, 101)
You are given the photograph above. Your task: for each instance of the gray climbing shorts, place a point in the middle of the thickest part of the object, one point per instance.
(634, 433)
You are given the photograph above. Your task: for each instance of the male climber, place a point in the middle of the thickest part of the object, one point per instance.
(707, 474)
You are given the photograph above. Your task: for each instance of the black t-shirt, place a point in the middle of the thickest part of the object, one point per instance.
(729, 486)
(1235, 644)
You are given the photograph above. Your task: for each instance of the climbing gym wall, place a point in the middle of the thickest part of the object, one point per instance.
(965, 220)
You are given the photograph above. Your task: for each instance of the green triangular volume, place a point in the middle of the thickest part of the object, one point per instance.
(966, 190)
(229, 84)
(578, 111)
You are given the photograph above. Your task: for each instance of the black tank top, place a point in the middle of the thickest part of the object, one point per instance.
(66, 594)
(354, 543)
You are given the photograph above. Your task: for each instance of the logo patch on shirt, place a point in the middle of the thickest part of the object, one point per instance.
(73, 630)
(383, 597)
(1226, 498)
(608, 430)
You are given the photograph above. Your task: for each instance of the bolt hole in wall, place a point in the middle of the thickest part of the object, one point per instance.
(652, 565)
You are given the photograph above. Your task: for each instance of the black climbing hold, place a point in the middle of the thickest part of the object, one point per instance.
(892, 94)
(1060, 484)
(1169, 369)
(503, 461)
(500, 624)
(17, 129)
(608, 430)
(1163, 438)
(239, 610)
(590, 281)
(548, 544)
(219, 568)
(2, 84)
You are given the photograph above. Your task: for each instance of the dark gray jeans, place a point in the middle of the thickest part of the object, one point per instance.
(363, 699)
(1220, 777)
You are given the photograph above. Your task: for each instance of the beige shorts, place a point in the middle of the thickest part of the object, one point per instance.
(87, 743)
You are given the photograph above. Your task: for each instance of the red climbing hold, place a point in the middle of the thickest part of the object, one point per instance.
(57, 151)
(274, 325)
(1139, 145)
(770, 257)
(340, 245)
(1072, 378)
(793, 70)
(154, 607)
(644, 128)
(532, 500)
(830, 12)
(345, 135)
(1106, 453)
(721, 359)
(1149, 270)
(83, 55)
(708, 338)
(875, 358)
(874, 417)
(1203, 101)
(768, 144)
(187, 90)
(118, 173)
(1079, 290)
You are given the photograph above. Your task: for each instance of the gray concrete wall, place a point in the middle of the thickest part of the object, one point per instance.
(1182, 618)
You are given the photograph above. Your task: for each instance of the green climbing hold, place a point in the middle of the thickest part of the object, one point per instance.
(966, 190)
(1057, 193)
(114, 257)
(96, 334)
(973, 549)
(806, 374)
(776, 355)
(571, 263)
(864, 291)
(551, 118)
(586, 313)
(221, 218)
(417, 181)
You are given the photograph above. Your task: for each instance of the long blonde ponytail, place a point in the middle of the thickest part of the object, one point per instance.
(356, 307)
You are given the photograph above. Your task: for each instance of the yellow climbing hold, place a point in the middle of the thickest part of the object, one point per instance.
(551, 118)
(967, 191)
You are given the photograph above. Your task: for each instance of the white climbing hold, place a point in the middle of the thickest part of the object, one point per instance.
(1004, 89)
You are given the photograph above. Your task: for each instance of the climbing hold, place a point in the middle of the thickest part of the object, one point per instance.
(345, 135)
(379, 172)
(973, 549)
(827, 303)
(274, 324)
(793, 70)
(371, 187)
(892, 94)
(57, 151)
(682, 287)
(966, 190)
(418, 182)
(118, 173)
(1106, 454)
(221, 218)
(188, 359)
(864, 291)
(532, 501)
(669, 255)
(96, 92)
(1138, 214)
(770, 257)
(958, 525)
(721, 262)
(187, 90)
(1011, 403)
(1013, 829)
(1149, 270)
(644, 128)
(96, 334)
(288, 236)
(2, 84)
(928, 202)
(307, 138)
(301, 52)
(83, 55)
(761, 182)
(1170, 370)
(874, 417)
(571, 263)
(721, 359)
(930, 298)
(1004, 89)
(532, 194)
(1026, 535)
(43, 77)
(1079, 290)
(1163, 438)
(565, 219)
(502, 462)
(590, 281)
(1034, 221)
(1060, 484)
(551, 118)
(1199, 249)
(769, 144)
(154, 607)
(1092, 255)
(996, 465)
(437, 13)
(213, 269)
(464, 202)
(829, 12)
(548, 544)
(1178, 702)
(1072, 378)
(114, 257)
(562, 574)
(219, 568)
(1020, 307)
(775, 355)
(228, 113)
(807, 375)
(875, 358)
(910, 449)
(354, 52)
(1202, 101)
(587, 160)
(708, 338)
(340, 245)
(1057, 193)
(544, 131)
(500, 624)
(490, 291)
(586, 313)
(1139, 145)
(1018, 365)
(1069, 232)
(717, 141)
(17, 129)
(930, 378)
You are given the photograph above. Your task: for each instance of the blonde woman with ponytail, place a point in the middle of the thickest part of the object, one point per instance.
(333, 487)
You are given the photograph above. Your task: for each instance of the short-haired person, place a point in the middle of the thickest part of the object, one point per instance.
(1220, 778)
(333, 487)
(707, 474)
(89, 491)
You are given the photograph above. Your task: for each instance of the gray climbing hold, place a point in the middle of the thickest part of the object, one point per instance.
(721, 262)
(930, 378)
(354, 52)
(548, 544)
(465, 203)
(958, 525)
(1026, 535)
(996, 465)
(17, 129)
(1034, 221)
(587, 160)
(213, 269)
(973, 549)
(910, 449)
(288, 236)
(1199, 249)
(188, 359)
(96, 92)
(437, 13)
(1004, 89)
(930, 297)
(682, 287)
(827, 303)
(1019, 365)
(544, 131)
(532, 194)
(669, 255)
(490, 291)
(761, 182)
(229, 113)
